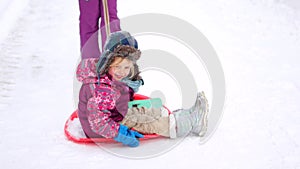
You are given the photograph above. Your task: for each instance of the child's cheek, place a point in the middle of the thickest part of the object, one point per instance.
(111, 71)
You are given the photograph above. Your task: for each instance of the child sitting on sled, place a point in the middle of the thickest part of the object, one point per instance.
(109, 84)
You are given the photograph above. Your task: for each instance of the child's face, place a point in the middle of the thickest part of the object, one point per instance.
(120, 68)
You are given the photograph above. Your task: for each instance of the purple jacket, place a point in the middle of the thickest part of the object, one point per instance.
(102, 102)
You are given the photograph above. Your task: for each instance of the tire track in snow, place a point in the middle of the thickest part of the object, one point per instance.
(10, 65)
(15, 51)
(27, 55)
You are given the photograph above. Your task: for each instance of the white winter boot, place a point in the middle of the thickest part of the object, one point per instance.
(192, 120)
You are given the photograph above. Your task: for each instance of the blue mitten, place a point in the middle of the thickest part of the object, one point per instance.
(128, 137)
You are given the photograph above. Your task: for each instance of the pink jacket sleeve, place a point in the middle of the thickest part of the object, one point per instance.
(98, 116)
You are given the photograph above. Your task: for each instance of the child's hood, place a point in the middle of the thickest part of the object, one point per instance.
(87, 73)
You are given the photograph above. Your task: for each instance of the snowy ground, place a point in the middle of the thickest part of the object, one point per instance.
(257, 43)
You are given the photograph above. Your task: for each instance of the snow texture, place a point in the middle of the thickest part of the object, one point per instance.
(256, 41)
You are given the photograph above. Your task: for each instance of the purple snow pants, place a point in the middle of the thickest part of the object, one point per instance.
(90, 13)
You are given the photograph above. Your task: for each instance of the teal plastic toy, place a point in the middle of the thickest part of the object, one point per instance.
(148, 103)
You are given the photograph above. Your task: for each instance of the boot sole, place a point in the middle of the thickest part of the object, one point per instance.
(204, 114)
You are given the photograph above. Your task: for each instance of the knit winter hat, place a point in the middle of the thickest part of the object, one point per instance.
(113, 41)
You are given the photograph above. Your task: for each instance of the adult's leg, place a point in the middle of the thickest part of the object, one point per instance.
(114, 24)
(89, 26)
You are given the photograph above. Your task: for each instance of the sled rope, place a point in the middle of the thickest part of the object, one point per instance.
(106, 17)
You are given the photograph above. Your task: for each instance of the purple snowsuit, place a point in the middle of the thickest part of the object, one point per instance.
(90, 13)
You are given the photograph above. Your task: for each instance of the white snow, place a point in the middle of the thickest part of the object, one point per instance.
(256, 41)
